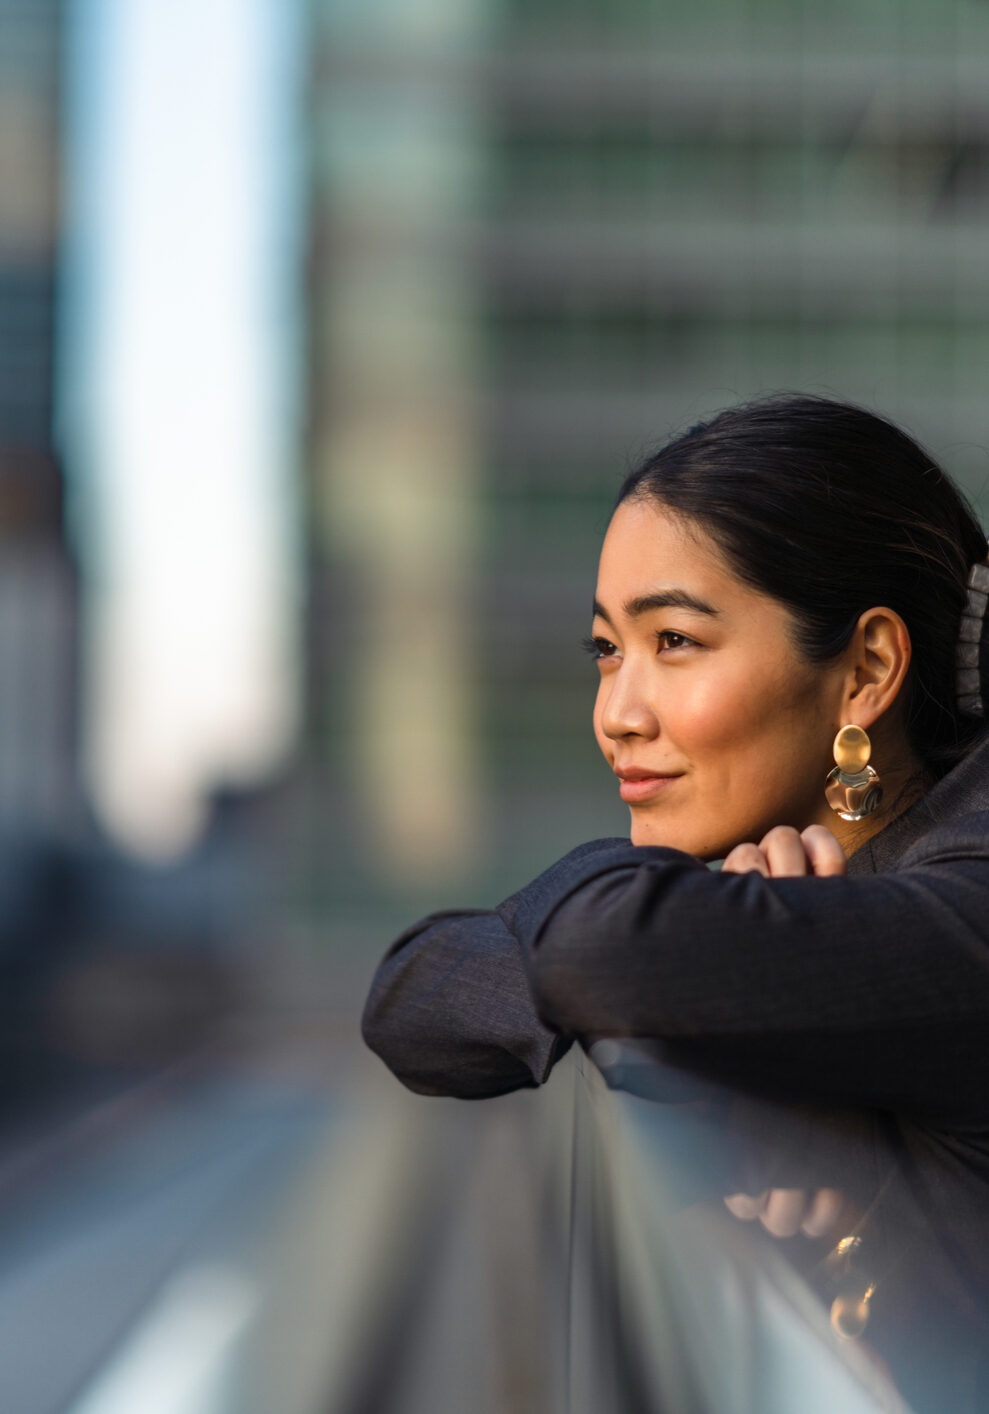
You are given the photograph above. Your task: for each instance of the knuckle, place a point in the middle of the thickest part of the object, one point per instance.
(823, 849)
(745, 1205)
(744, 857)
(784, 1212)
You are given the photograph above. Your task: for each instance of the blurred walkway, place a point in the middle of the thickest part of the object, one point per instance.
(181, 1187)
(273, 1226)
(145, 1225)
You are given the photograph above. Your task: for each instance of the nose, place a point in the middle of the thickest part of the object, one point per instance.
(626, 709)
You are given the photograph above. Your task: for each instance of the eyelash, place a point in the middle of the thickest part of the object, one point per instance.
(595, 646)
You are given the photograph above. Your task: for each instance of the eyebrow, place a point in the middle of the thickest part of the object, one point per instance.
(661, 599)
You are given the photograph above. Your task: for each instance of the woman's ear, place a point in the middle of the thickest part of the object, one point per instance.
(879, 656)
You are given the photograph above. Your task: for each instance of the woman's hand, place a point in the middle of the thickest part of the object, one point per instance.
(787, 853)
(786, 1211)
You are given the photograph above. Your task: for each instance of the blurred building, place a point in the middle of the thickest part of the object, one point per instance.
(545, 236)
(38, 586)
(394, 433)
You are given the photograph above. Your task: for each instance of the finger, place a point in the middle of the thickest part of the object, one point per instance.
(784, 850)
(823, 1212)
(747, 1205)
(746, 859)
(823, 850)
(784, 1211)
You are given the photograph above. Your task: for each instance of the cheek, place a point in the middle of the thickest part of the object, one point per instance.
(713, 716)
(599, 702)
(738, 718)
(763, 744)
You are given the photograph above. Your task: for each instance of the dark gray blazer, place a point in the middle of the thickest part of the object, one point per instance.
(870, 989)
(868, 993)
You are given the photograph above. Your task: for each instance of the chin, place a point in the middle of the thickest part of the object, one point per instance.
(646, 831)
(670, 836)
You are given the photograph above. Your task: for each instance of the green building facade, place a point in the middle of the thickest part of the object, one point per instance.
(544, 238)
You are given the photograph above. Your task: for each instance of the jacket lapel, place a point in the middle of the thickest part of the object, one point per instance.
(963, 791)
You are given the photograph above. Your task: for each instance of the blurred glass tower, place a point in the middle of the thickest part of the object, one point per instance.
(394, 441)
(38, 589)
(581, 227)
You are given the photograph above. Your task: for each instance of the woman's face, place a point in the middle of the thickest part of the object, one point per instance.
(715, 723)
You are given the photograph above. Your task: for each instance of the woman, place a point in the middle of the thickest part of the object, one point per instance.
(793, 568)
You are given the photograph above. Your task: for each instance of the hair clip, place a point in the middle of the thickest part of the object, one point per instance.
(968, 687)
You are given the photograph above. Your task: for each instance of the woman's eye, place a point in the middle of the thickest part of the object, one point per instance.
(667, 638)
(598, 647)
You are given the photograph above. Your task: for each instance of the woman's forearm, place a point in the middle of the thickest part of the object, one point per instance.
(869, 990)
(450, 1011)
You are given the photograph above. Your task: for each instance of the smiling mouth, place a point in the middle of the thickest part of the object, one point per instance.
(637, 787)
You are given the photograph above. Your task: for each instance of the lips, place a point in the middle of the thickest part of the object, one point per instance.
(639, 784)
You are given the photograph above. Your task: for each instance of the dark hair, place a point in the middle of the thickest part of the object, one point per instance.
(831, 510)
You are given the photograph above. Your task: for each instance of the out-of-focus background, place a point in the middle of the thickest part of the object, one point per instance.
(328, 329)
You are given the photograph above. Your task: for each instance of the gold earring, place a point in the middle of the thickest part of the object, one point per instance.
(853, 789)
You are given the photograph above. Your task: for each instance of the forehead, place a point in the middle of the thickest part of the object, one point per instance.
(647, 544)
(649, 550)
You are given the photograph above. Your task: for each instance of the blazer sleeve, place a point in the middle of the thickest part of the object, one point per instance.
(863, 990)
(450, 1010)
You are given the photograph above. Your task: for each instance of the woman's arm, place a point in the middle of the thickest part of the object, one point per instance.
(867, 990)
(450, 1010)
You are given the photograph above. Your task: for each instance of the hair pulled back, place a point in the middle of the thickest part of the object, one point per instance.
(831, 510)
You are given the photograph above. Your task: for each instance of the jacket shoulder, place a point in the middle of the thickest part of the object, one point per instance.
(963, 837)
